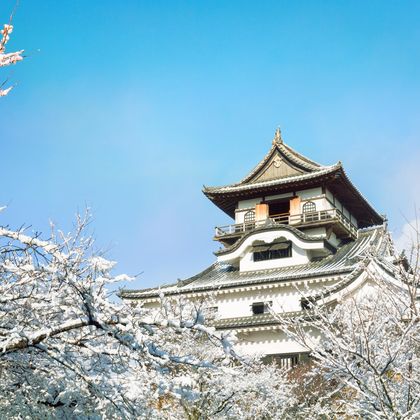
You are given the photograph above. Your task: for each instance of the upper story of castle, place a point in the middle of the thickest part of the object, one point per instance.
(288, 210)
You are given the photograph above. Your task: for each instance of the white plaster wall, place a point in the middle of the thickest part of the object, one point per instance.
(312, 192)
(246, 204)
(284, 299)
(267, 342)
(239, 215)
(321, 204)
(299, 256)
(238, 304)
(269, 237)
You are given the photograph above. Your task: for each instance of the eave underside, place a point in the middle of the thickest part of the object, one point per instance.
(336, 181)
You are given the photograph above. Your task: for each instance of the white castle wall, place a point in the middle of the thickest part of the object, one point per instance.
(244, 253)
(267, 342)
(284, 299)
(322, 201)
(299, 256)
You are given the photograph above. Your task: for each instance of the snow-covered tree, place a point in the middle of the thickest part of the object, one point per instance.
(67, 350)
(365, 348)
(235, 388)
(6, 59)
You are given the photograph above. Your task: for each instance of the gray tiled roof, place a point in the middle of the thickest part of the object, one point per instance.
(272, 182)
(220, 276)
(291, 154)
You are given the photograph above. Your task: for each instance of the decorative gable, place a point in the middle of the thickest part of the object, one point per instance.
(280, 162)
(277, 167)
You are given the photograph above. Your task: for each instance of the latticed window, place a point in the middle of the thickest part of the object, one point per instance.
(249, 220)
(309, 207)
(309, 212)
(249, 216)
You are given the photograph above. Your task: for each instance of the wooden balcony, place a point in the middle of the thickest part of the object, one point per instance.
(311, 219)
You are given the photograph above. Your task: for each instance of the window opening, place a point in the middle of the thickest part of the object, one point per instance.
(309, 207)
(272, 251)
(309, 212)
(259, 308)
(249, 220)
(278, 207)
(287, 360)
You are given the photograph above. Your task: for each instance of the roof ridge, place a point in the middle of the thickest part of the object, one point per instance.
(294, 153)
(191, 279)
(256, 168)
(289, 152)
(369, 228)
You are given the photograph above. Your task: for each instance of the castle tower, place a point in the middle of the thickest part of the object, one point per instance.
(298, 234)
(290, 194)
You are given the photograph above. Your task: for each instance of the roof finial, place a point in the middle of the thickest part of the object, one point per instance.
(277, 136)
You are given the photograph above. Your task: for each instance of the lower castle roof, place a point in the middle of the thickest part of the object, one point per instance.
(224, 276)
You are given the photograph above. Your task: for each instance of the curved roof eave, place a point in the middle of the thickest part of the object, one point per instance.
(362, 197)
(233, 188)
(220, 196)
(279, 227)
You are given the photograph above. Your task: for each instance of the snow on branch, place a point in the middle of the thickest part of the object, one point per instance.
(67, 350)
(7, 59)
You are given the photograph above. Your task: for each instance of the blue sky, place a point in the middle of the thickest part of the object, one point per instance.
(130, 107)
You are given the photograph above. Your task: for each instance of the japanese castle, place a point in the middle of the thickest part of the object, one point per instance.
(299, 232)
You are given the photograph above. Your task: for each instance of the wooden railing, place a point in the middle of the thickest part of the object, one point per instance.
(308, 218)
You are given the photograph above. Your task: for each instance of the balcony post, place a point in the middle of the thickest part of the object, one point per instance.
(295, 216)
(261, 212)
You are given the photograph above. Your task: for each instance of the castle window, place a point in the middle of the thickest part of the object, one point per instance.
(259, 308)
(249, 216)
(273, 252)
(249, 220)
(286, 360)
(309, 207)
(309, 212)
(306, 303)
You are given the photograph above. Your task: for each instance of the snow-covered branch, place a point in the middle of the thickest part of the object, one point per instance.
(7, 59)
(365, 345)
(67, 350)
